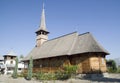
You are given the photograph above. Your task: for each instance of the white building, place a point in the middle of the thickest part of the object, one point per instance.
(1, 62)
(9, 60)
(9, 63)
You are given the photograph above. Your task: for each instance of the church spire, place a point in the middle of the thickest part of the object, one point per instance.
(42, 33)
(43, 22)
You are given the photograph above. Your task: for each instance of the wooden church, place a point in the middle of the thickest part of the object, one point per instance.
(71, 49)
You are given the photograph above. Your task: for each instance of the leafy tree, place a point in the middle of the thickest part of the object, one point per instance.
(15, 69)
(29, 75)
(112, 68)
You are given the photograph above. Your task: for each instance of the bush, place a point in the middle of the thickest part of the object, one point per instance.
(111, 70)
(68, 72)
(70, 69)
(112, 66)
(46, 76)
(62, 75)
(118, 70)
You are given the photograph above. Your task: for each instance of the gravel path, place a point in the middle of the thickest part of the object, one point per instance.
(113, 78)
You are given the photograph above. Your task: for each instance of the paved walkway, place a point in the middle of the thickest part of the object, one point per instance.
(113, 78)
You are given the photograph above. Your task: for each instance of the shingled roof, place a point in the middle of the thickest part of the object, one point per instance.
(69, 44)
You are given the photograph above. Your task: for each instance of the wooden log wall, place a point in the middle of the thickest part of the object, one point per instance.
(82, 61)
(87, 63)
(50, 64)
(98, 63)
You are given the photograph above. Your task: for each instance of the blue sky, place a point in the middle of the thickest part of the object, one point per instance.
(19, 19)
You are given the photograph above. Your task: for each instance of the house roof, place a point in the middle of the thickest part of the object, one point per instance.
(69, 44)
(11, 53)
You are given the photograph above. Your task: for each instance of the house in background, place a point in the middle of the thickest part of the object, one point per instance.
(72, 49)
(1, 59)
(20, 65)
(1, 62)
(2, 66)
(7, 62)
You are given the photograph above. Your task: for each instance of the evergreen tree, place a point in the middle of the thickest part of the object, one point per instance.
(15, 69)
(29, 75)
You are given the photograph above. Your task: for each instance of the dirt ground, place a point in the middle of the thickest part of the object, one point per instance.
(113, 78)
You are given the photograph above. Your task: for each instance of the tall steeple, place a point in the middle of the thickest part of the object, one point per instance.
(42, 33)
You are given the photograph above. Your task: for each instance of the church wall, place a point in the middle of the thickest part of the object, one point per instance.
(82, 61)
(87, 63)
(98, 63)
(50, 64)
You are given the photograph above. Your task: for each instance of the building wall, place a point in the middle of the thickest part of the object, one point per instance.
(98, 63)
(40, 39)
(87, 63)
(50, 64)
(82, 61)
(1, 64)
(9, 60)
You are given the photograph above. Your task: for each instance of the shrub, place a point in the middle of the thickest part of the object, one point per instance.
(68, 72)
(112, 66)
(118, 70)
(46, 76)
(111, 70)
(62, 76)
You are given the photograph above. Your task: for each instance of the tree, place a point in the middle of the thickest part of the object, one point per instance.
(30, 67)
(112, 66)
(15, 69)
